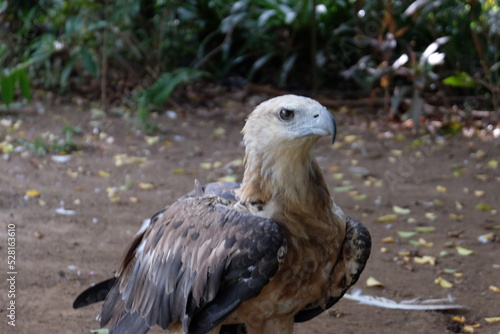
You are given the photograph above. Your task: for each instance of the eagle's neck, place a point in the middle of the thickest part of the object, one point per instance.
(288, 179)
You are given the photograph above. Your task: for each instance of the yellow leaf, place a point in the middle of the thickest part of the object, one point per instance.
(493, 319)
(179, 171)
(150, 140)
(206, 165)
(483, 207)
(400, 210)
(455, 216)
(228, 178)
(72, 174)
(459, 318)
(387, 240)
(464, 251)
(372, 281)
(480, 154)
(132, 199)
(146, 186)
(32, 193)
(387, 218)
(441, 189)
(219, 132)
(103, 174)
(350, 139)
(468, 329)
(338, 176)
(485, 238)
(493, 164)
(443, 283)
(425, 229)
(424, 243)
(397, 153)
(430, 215)
(494, 288)
(425, 259)
(114, 197)
(479, 193)
(482, 177)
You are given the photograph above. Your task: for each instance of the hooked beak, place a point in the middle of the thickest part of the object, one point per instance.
(325, 124)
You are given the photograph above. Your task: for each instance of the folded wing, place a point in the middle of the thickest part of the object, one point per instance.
(194, 264)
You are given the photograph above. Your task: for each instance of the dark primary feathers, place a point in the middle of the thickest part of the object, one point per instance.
(178, 269)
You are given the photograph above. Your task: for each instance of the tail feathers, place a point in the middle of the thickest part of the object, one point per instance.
(94, 294)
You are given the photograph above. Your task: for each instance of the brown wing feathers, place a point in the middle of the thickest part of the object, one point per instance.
(197, 268)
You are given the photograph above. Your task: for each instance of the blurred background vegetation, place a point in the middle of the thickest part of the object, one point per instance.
(139, 51)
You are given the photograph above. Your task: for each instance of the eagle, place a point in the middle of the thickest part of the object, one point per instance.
(255, 256)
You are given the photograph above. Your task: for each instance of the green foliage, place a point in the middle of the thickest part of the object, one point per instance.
(312, 44)
(8, 82)
(460, 79)
(160, 91)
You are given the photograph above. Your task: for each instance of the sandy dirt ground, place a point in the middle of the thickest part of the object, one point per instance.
(447, 189)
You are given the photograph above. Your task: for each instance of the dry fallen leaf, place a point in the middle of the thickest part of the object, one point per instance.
(443, 283)
(400, 210)
(493, 164)
(485, 238)
(431, 216)
(406, 234)
(479, 193)
(387, 240)
(459, 318)
(228, 178)
(483, 207)
(103, 174)
(146, 186)
(373, 282)
(441, 189)
(32, 193)
(464, 251)
(387, 218)
(494, 288)
(426, 259)
(493, 319)
(424, 243)
(350, 139)
(425, 229)
(150, 140)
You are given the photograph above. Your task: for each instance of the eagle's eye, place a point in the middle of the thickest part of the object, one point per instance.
(286, 114)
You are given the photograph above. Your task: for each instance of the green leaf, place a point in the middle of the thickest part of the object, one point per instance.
(88, 62)
(425, 229)
(24, 84)
(460, 79)
(67, 71)
(406, 234)
(161, 90)
(7, 87)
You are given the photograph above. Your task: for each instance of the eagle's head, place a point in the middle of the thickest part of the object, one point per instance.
(288, 121)
(279, 135)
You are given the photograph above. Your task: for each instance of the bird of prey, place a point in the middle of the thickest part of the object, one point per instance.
(264, 254)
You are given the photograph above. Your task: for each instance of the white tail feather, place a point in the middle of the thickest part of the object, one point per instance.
(413, 304)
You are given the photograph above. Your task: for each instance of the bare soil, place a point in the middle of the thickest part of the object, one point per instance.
(58, 255)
